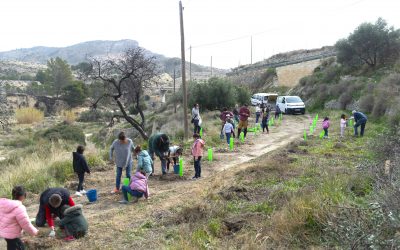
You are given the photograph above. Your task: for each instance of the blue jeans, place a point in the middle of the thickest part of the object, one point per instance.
(163, 163)
(119, 174)
(326, 132)
(134, 193)
(197, 167)
(228, 137)
(359, 123)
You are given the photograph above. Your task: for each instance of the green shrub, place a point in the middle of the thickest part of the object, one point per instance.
(367, 103)
(19, 143)
(380, 106)
(61, 170)
(216, 94)
(94, 160)
(63, 132)
(95, 116)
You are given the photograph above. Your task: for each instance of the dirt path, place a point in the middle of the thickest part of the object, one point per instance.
(110, 221)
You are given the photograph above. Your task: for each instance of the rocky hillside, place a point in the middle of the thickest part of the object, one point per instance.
(80, 52)
(72, 54)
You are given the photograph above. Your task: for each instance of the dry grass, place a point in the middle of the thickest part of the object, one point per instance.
(33, 170)
(28, 115)
(69, 116)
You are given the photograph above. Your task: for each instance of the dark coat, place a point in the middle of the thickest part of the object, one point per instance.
(79, 163)
(158, 144)
(74, 221)
(358, 116)
(45, 196)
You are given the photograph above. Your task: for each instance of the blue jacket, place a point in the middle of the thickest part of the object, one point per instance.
(359, 116)
(144, 162)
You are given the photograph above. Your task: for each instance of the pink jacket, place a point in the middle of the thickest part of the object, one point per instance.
(325, 124)
(139, 183)
(197, 148)
(14, 219)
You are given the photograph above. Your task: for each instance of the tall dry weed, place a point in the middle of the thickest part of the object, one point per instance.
(28, 115)
(69, 116)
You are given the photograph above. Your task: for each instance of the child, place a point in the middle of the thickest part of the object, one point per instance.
(197, 152)
(228, 130)
(137, 188)
(144, 161)
(264, 122)
(14, 219)
(74, 222)
(325, 126)
(173, 153)
(80, 168)
(343, 124)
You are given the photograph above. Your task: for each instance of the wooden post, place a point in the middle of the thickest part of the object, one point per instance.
(185, 113)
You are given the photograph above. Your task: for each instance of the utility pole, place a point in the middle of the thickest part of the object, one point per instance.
(183, 73)
(190, 64)
(174, 90)
(211, 66)
(251, 50)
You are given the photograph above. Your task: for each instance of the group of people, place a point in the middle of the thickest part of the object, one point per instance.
(360, 120)
(54, 203)
(57, 202)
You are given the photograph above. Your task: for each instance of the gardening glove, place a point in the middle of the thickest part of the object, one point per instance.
(52, 233)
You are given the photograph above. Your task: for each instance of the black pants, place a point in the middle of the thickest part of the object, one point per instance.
(175, 159)
(41, 216)
(196, 129)
(81, 178)
(265, 126)
(197, 167)
(15, 244)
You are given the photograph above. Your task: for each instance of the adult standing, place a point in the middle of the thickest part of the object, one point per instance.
(244, 114)
(196, 119)
(258, 113)
(51, 201)
(277, 111)
(159, 145)
(361, 120)
(122, 148)
(236, 113)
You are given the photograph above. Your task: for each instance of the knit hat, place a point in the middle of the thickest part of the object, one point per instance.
(55, 200)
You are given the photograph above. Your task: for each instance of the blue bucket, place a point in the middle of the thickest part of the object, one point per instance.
(92, 195)
(176, 169)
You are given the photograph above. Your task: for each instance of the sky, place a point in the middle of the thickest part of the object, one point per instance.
(221, 29)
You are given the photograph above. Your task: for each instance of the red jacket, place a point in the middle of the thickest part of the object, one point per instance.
(244, 113)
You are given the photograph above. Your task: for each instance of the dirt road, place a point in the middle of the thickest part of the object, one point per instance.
(111, 224)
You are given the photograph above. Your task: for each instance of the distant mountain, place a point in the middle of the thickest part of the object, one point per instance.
(80, 52)
(72, 54)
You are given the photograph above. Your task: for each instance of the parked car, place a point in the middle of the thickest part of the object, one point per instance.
(291, 104)
(266, 98)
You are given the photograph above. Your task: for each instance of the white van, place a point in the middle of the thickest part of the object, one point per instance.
(291, 104)
(266, 98)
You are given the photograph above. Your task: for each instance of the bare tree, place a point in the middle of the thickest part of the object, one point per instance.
(124, 80)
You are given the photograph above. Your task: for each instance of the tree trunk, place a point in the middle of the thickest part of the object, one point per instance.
(133, 122)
